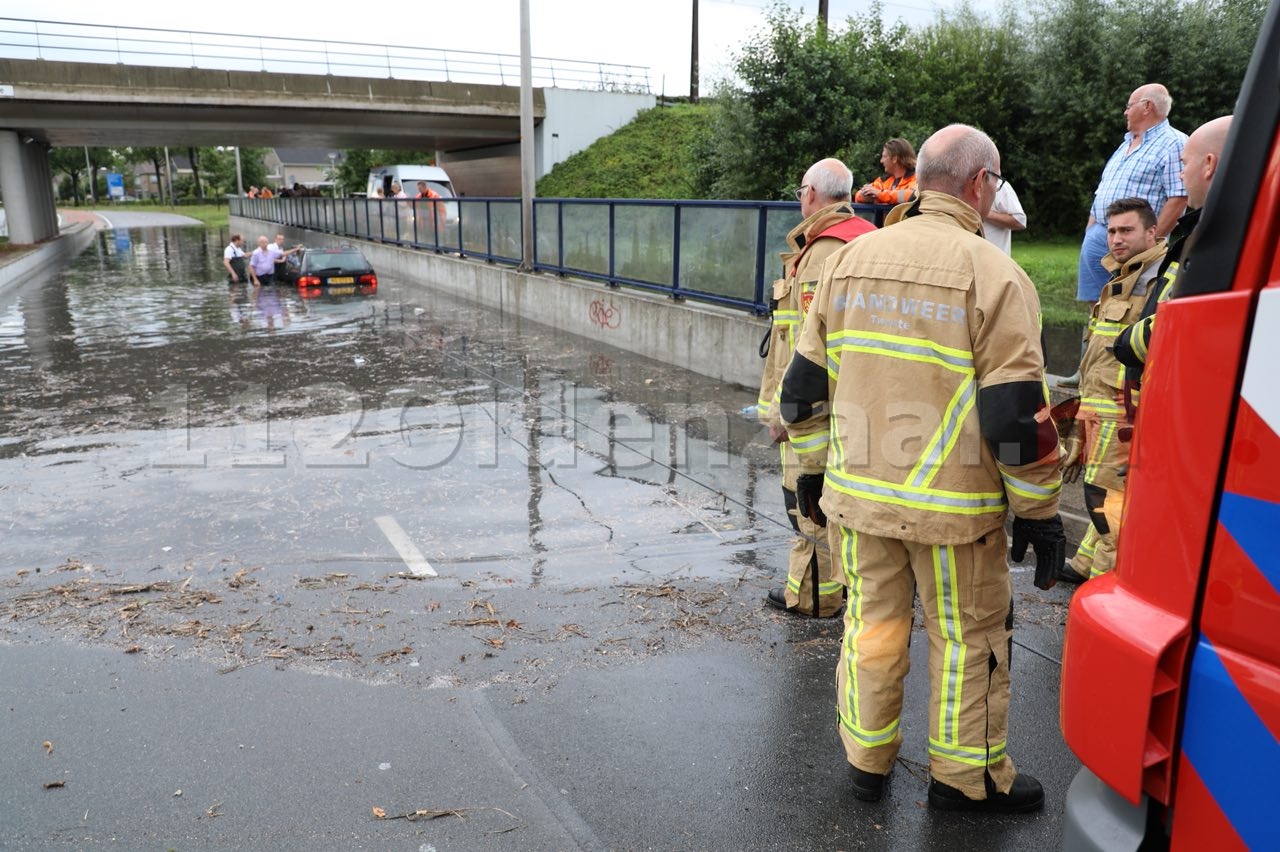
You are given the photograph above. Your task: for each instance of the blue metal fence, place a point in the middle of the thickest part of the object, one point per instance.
(721, 252)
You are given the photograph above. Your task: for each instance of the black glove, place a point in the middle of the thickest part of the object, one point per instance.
(808, 493)
(1047, 539)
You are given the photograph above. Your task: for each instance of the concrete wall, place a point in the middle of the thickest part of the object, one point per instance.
(491, 172)
(710, 340)
(18, 267)
(574, 119)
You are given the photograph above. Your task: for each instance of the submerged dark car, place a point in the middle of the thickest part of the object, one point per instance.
(336, 272)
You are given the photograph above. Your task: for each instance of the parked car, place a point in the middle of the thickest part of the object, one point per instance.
(342, 271)
(1171, 668)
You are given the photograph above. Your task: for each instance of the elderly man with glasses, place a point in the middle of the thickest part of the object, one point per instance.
(814, 585)
(1146, 165)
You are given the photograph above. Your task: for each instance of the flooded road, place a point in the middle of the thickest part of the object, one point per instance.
(156, 419)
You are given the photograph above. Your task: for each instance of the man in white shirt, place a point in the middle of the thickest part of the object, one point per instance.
(233, 260)
(1006, 216)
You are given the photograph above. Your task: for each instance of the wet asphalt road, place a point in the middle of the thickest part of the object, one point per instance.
(298, 560)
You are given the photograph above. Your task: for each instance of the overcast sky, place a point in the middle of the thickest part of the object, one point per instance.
(653, 34)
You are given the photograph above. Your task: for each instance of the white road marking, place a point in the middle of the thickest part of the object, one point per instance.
(413, 558)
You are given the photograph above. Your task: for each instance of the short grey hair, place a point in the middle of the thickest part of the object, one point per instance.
(1161, 100)
(948, 160)
(831, 180)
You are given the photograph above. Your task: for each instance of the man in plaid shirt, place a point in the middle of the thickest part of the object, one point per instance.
(1146, 165)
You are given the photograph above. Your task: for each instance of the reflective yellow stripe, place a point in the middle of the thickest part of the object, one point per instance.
(1089, 544)
(953, 649)
(1102, 406)
(929, 499)
(1030, 490)
(1139, 337)
(809, 443)
(850, 714)
(944, 438)
(825, 589)
(1106, 434)
(1106, 328)
(906, 348)
(970, 756)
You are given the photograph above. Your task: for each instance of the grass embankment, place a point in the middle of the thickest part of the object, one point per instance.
(653, 156)
(1051, 264)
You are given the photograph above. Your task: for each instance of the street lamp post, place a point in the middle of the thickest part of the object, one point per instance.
(333, 177)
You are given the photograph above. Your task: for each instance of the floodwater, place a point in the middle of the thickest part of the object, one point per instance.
(154, 418)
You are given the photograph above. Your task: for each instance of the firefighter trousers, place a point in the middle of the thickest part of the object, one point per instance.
(1106, 460)
(967, 599)
(814, 582)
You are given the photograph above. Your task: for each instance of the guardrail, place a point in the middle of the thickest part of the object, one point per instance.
(721, 252)
(22, 38)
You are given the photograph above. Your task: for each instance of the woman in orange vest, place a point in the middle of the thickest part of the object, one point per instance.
(899, 183)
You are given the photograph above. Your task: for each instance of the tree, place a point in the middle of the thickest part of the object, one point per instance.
(69, 162)
(806, 93)
(193, 154)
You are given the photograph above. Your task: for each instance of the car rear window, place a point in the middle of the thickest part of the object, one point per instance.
(347, 261)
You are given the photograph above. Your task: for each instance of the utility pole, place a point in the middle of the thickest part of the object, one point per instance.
(527, 140)
(88, 165)
(822, 11)
(168, 175)
(693, 59)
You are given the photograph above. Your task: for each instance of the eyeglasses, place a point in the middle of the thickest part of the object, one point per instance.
(992, 174)
(1134, 104)
(800, 191)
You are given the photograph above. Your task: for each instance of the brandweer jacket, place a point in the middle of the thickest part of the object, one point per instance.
(1120, 305)
(920, 358)
(809, 248)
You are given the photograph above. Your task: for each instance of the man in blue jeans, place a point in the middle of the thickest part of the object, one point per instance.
(1146, 165)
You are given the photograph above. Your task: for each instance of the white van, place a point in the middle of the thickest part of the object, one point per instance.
(408, 176)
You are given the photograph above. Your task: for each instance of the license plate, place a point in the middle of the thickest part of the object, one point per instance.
(341, 291)
(342, 280)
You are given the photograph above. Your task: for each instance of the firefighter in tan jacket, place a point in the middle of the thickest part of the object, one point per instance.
(814, 585)
(921, 360)
(1102, 436)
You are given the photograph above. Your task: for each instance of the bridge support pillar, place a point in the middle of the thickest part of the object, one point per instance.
(26, 185)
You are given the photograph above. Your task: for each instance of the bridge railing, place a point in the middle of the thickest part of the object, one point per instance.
(22, 38)
(722, 252)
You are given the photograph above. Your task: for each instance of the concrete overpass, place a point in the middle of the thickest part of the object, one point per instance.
(47, 104)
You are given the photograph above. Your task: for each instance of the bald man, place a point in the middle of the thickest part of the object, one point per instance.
(920, 359)
(1200, 159)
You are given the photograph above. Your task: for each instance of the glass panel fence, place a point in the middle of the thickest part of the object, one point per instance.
(586, 238)
(642, 243)
(718, 251)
